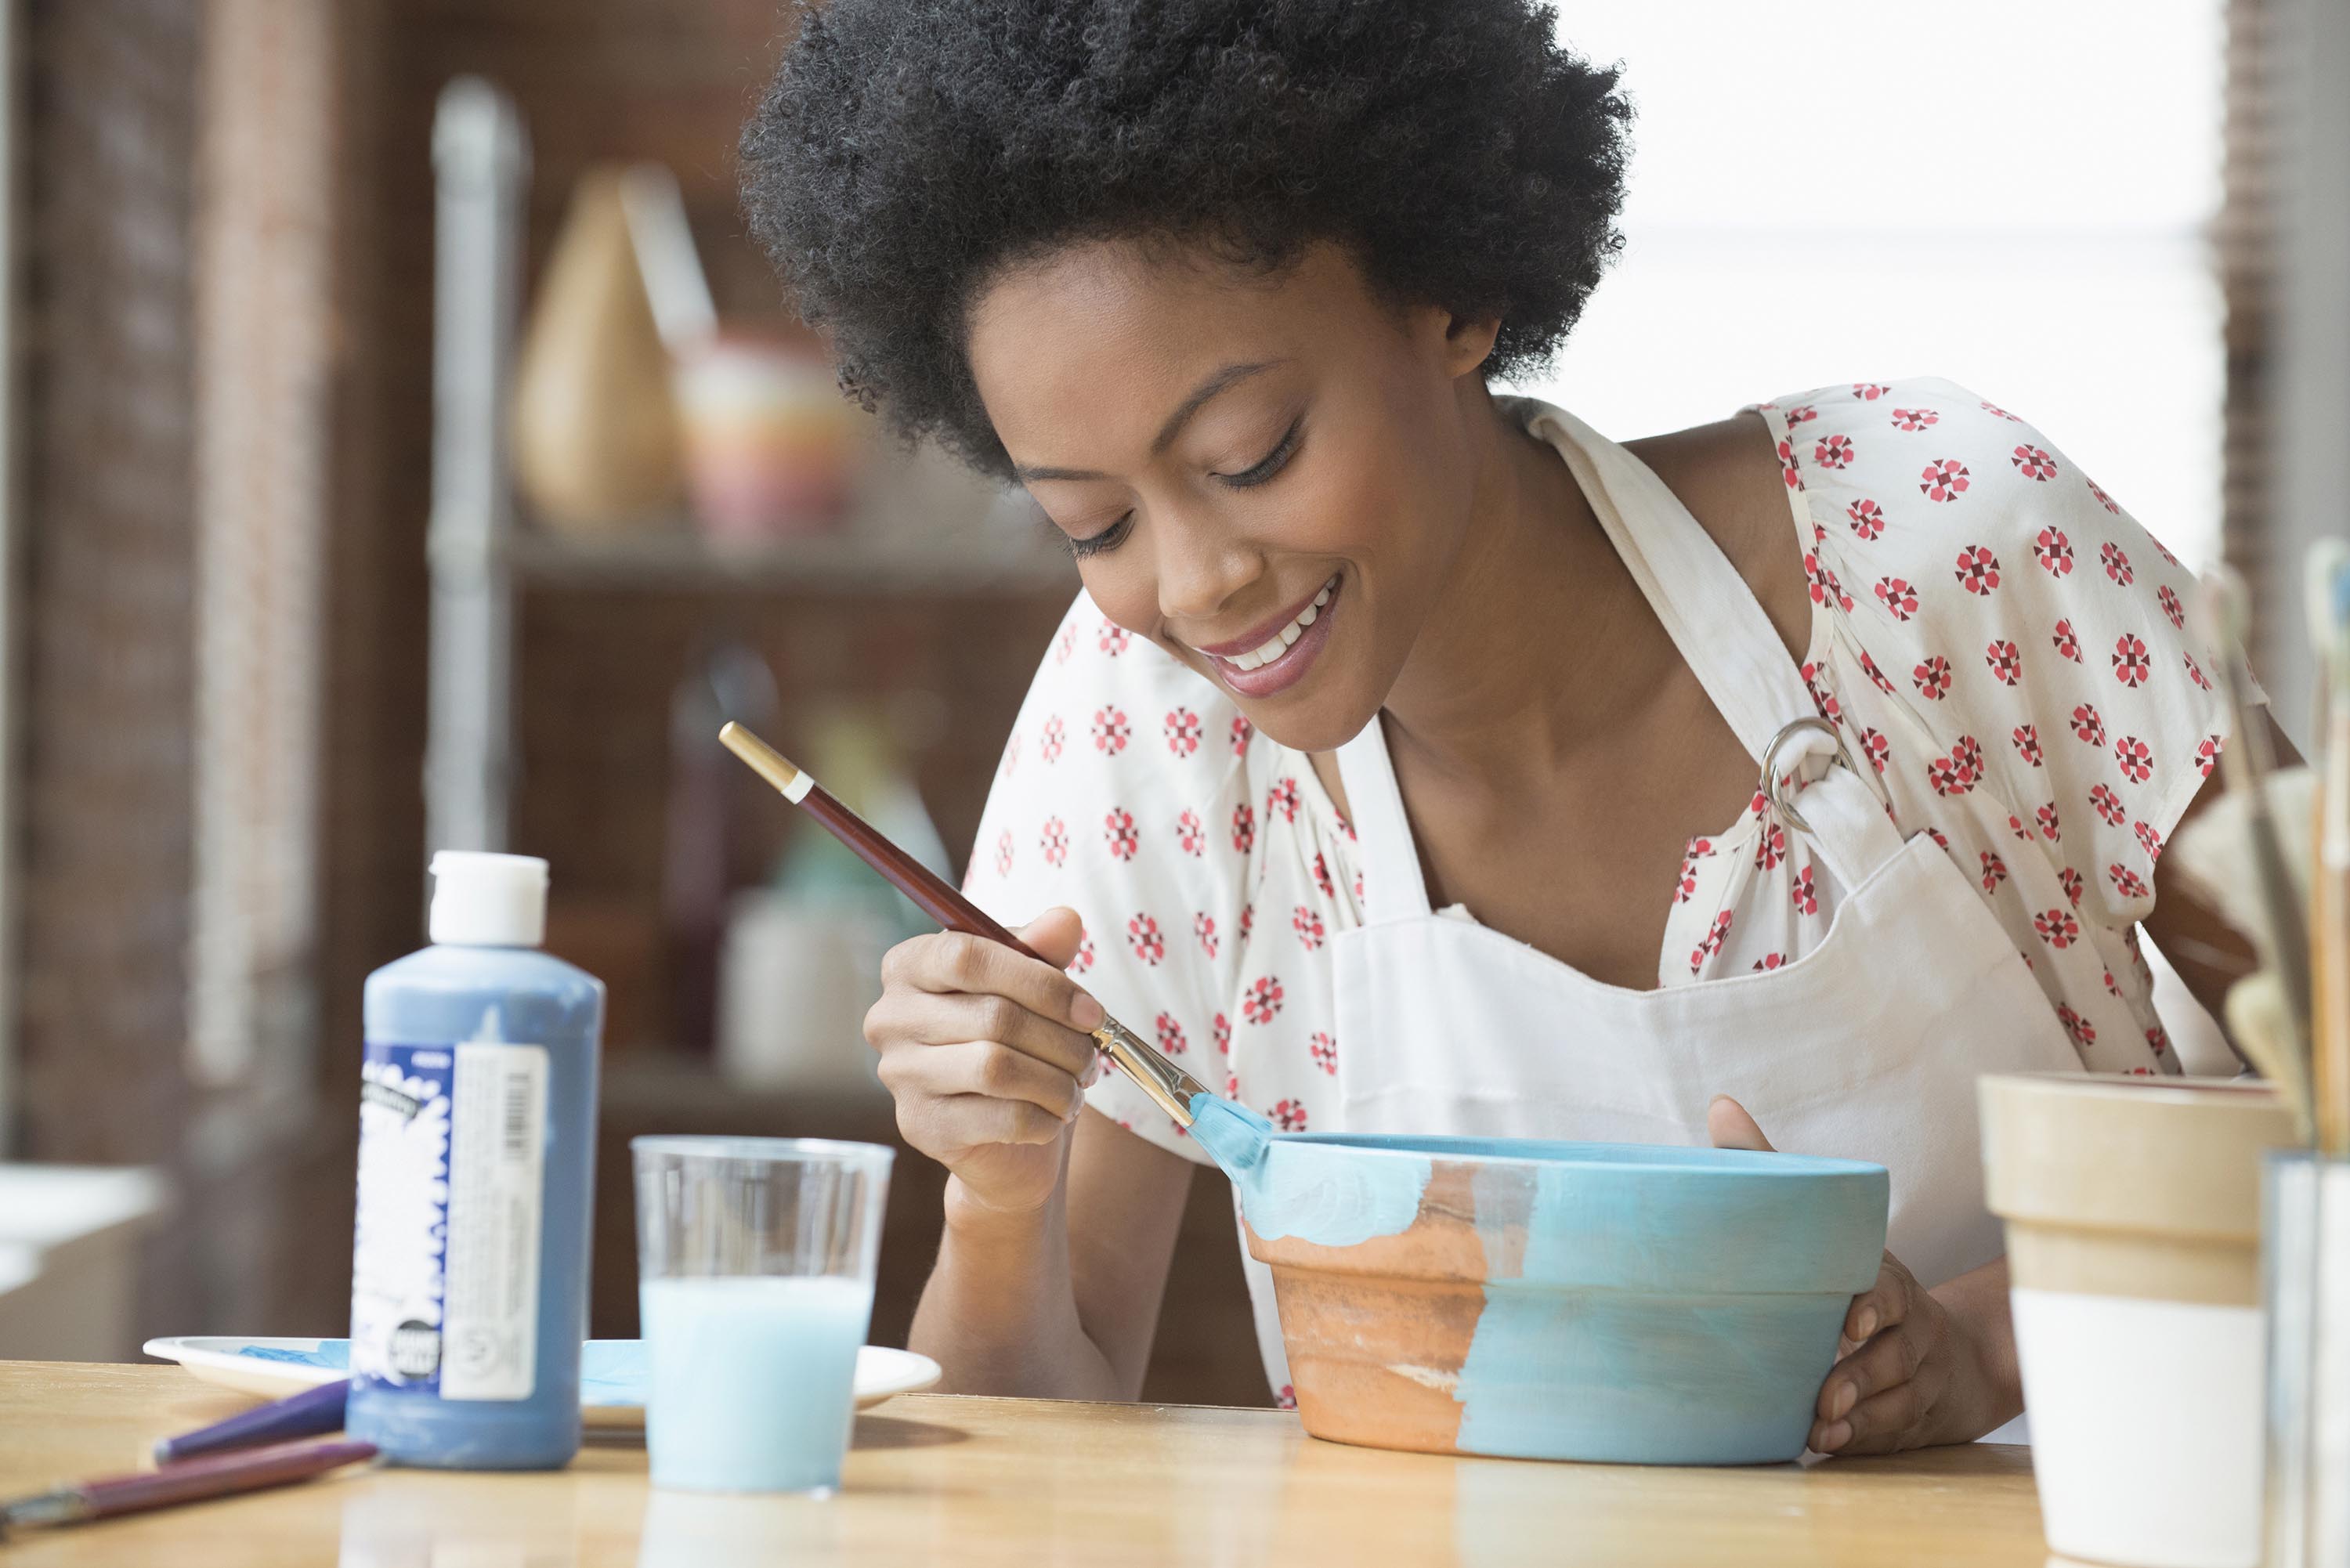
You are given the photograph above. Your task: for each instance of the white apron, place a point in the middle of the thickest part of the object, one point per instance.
(1865, 1048)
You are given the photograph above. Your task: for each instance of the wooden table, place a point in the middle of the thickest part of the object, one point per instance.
(1022, 1482)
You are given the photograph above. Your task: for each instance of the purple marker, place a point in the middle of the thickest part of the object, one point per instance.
(303, 1415)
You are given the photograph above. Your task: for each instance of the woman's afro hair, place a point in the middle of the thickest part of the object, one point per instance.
(909, 151)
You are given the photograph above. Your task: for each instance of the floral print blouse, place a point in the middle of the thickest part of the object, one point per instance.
(1991, 632)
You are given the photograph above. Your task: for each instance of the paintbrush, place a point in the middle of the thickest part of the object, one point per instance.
(2280, 932)
(1169, 1085)
(2330, 939)
(2320, 569)
(309, 1414)
(194, 1480)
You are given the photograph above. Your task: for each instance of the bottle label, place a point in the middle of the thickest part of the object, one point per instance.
(444, 1271)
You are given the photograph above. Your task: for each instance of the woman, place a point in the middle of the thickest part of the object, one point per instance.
(1417, 759)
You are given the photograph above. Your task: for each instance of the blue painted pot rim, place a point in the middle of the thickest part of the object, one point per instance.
(1627, 1158)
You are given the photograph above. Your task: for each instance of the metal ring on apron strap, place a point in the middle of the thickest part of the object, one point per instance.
(1787, 808)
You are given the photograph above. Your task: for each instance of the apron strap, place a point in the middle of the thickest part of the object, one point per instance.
(1719, 630)
(1727, 640)
(1393, 888)
(1714, 618)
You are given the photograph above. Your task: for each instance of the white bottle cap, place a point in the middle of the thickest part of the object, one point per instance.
(488, 900)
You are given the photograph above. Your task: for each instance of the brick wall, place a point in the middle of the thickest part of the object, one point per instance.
(107, 542)
(107, 538)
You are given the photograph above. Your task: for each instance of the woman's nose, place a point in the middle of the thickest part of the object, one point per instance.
(1199, 571)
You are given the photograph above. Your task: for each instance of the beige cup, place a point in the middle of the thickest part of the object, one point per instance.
(2133, 1212)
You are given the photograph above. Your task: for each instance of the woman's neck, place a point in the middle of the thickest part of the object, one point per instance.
(1540, 641)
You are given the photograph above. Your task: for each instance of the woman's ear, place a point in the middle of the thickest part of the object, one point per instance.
(1469, 342)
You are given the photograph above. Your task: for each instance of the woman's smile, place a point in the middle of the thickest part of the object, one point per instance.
(1276, 654)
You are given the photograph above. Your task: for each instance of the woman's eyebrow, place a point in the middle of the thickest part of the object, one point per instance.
(1218, 381)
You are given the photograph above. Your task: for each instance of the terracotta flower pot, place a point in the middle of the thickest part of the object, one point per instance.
(1650, 1305)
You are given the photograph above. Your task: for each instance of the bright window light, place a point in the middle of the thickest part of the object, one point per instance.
(2009, 194)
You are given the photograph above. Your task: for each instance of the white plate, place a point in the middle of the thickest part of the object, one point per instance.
(611, 1392)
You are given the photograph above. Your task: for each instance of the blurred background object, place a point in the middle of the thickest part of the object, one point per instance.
(594, 428)
(405, 449)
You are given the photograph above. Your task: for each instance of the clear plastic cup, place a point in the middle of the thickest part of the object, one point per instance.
(754, 1271)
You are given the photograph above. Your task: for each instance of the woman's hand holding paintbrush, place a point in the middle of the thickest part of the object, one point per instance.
(985, 1042)
(988, 1052)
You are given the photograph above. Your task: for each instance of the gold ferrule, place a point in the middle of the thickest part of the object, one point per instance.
(1169, 1086)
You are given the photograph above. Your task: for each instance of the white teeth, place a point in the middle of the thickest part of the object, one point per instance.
(1274, 647)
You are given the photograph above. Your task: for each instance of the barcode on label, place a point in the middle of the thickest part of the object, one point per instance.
(517, 1098)
(497, 1154)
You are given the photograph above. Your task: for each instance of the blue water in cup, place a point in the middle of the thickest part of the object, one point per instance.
(752, 1381)
(755, 1260)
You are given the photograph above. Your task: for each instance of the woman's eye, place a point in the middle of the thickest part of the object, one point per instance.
(1271, 463)
(1108, 538)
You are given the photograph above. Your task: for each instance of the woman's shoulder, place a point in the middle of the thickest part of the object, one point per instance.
(1922, 483)
(2031, 635)
(1896, 495)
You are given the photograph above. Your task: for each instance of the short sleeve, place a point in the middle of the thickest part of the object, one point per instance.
(2044, 643)
(1104, 800)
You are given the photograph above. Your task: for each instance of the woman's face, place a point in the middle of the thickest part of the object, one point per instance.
(1267, 476)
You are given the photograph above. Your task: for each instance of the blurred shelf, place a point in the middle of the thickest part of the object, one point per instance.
(647, 1081)
(675, 559)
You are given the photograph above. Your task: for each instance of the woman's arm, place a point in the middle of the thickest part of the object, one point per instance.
(1060, 1301)
(1059, 1222)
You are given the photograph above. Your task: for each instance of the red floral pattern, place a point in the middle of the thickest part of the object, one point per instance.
(1900, 600)
(1191, 834)
(1142, 934)
(1182, 732)
(1978, 570)
(1944, 480)
(1111, 730)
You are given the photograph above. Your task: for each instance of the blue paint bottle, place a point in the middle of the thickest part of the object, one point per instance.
(477, 1132)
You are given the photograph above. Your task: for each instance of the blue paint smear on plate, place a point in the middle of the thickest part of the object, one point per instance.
(335, 1354)
(1328, 1195)
(611, 1371)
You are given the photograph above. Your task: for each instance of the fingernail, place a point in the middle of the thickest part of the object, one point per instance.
(1867, 1324)
(1087, 1014)
(1846, 1395)
(1838, 1434)
(1093, 1073)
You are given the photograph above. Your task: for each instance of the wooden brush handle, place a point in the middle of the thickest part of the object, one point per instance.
(936, 897)
(247, 1470)
(1172, 1087)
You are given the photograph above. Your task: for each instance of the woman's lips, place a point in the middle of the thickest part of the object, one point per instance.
(1280, 659)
